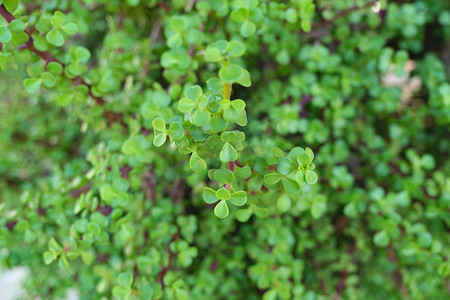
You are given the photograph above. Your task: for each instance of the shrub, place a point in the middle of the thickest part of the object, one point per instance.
(237, 149)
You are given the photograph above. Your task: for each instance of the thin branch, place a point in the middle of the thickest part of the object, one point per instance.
(172, 255)
(149, 184)
(341, 286)
(154, 34)
(397, 275)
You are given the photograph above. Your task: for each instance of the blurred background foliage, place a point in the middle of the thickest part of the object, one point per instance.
(362, 83)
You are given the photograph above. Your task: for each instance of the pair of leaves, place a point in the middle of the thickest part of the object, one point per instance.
(176, 131)
(125, 280)
(221, 210)
(290, 186)
(219, 50)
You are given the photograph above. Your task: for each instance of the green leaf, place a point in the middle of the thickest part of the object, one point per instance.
(176, 130)
(283, 203)
(228, 153)
(209, 195)
(239, 198)
(277, 152)
(223, 176)
(213, 54)
(107, 193)
(5, 34)
(248, 28)
(285, 166)
(94, 228)
(159, 124)
(82, 54)
(11, 5)
(218, 124)
(185, 105)
(270, 295)
(239, 14)
(304, 160)
(177, 23)
(48, 79)
(87, 257)
(230, 73)
(228, 136)
(272, 178)
(63, 263)
(244, 172)
(54, 245)
(311, 177)
(16, 25)
(133, 3)
(291, 186)
(43, 25)
(306, 25)
(244, 80)
(318, 206)
(300, 177)
(243, 214)
(125, 279)
(215, 105)
(238, 104)
(55, 37)
(214, 85)
(310, 153)
(291, 15)
(70, 28)
(202, 101)
(241, 118)
(196, 163)
(201, 117)
(381, 238)
(32, 85)
(221, 210)
(181, 294)
(54, 67)
(236, 48)
(159, 139)
(193, 92)
(120, 291)
(80, 225)
(58, 19)
(223, 194)
(49, 257)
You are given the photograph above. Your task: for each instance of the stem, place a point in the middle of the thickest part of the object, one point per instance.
(227, 86)
(227, 91)
(231, 168)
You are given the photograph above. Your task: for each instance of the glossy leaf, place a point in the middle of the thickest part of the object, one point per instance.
(228, 153)
(221, 210)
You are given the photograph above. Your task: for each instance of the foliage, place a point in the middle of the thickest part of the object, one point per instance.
(235, 149)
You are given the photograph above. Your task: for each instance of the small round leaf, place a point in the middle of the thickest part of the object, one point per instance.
(221, 210)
